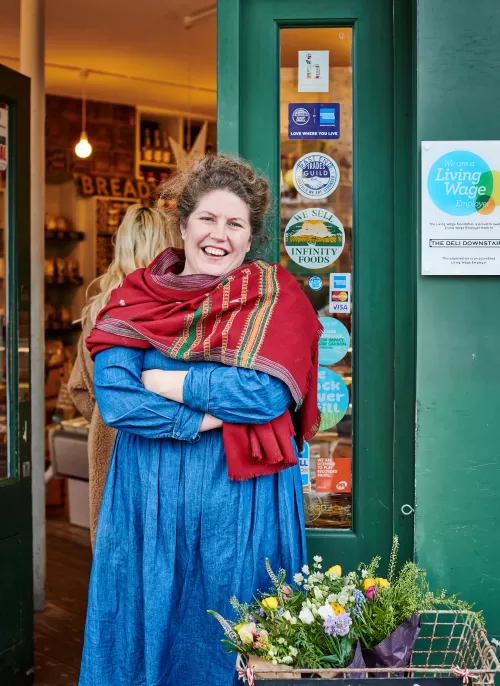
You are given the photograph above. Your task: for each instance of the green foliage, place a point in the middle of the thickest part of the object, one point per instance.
(316, 621)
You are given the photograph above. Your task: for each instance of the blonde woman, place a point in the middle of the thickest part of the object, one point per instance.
(143, 234)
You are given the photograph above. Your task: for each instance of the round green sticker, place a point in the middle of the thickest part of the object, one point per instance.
(314, 238)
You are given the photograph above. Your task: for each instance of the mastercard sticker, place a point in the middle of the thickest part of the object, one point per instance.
(340, 293)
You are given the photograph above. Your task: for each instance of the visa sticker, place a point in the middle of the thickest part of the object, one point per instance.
(340, 293)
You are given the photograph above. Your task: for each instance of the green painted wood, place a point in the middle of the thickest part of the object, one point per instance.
(381, 317)
(405, 267)
(458, 365)
(16, 585)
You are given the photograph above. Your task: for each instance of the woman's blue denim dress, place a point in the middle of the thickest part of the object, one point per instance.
(176, 537)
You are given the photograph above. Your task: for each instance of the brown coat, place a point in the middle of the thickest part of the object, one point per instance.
(101, 437)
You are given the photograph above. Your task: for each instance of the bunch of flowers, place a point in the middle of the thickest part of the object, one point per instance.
(317, 620)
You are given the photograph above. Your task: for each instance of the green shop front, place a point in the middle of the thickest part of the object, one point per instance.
(333, 100)
(341, 104)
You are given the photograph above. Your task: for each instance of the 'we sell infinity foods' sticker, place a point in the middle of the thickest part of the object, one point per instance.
(316, 175)
(314, 238)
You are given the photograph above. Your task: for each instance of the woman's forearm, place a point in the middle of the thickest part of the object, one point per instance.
(169, 384)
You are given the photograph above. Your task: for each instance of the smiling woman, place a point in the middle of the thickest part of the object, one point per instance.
(217, 235)
(204, 482)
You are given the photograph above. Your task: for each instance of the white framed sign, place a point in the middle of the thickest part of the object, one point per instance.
(314, 73)
(461, 208)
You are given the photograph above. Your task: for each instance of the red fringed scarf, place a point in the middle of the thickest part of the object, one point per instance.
(256, 317)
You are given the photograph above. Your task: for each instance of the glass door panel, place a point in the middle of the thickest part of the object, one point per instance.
(316, 144)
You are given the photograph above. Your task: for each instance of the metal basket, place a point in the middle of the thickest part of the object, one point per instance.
(450, 644)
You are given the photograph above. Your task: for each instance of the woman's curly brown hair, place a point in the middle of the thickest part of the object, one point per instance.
(181, 194)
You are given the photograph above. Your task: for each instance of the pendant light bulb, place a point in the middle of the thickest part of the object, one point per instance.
(83, 148)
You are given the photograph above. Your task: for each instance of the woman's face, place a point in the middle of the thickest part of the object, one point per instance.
(217, 234)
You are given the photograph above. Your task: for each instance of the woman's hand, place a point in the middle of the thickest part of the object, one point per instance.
(168, 384)
(210, 423)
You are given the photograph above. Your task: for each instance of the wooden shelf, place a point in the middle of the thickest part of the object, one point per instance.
(54, 235)
(57, 333)
(69, 283)
(157, 165)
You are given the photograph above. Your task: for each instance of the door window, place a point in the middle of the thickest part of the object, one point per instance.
(316, 146)
(4, 138)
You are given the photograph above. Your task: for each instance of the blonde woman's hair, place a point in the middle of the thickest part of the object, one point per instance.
(143, 234)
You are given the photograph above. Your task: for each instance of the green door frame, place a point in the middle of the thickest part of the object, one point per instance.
(248, 49)
(16, 572)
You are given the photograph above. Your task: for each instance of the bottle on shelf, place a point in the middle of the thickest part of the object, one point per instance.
(157, 152)
(147, 150)
(166, 149)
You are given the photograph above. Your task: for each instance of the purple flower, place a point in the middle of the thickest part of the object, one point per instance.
(338, 625)
(253, 619)
(279, 612)
(359, 601)
(260, 612)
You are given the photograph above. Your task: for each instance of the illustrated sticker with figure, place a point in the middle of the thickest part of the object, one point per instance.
(314, 238)
(314, 67)
(316, 175)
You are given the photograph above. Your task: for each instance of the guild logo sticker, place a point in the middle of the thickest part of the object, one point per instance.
(314, 238)
(316, 175)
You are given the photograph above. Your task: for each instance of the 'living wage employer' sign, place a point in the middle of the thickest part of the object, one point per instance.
(461, 208)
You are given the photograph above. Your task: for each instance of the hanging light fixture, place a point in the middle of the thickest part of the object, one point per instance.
(83, 148)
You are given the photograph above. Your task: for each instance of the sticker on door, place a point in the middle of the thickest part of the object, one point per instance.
(314, 120)
(340, 293)
(315, 175)
(314, 71)
(314, 238)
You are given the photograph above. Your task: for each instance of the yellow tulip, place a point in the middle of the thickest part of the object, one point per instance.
(336, 569)
(337, 608)
(237, 627)
(368, 583)
(382, 583)
(271, 603)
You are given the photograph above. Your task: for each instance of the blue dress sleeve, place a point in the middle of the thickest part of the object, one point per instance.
(236, 395)
(126, 405)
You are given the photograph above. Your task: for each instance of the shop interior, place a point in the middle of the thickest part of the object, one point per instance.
(136, 83)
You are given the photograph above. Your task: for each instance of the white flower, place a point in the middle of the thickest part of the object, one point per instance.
(343, 598)
(305, 569)
(275, 662)
(287, 660)
(281, 640)
(332, 598)
(298, 578)
(306, 616)
(287, 615)
(307, 587)
(318, 594)
(294, 652)
(364, 574)
(326, 611)
(317, 559)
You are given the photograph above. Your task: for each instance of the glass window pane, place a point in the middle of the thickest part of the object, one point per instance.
(316, 133)
(4, 123)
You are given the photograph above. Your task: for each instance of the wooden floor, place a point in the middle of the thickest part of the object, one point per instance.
(59, 629)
